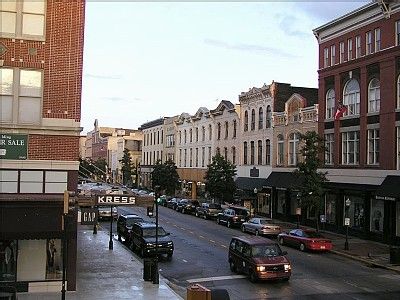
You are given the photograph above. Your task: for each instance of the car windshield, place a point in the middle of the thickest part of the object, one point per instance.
(265, 222)
(148, 232)
(241, 212)
(266, 251)
(130, 221)
(215, 206)
(312, 234)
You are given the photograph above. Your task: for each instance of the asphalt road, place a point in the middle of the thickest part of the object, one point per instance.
(201, 256)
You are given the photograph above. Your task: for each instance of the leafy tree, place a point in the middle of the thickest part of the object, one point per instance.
(127, 167)
(219, 179)
(100, 168)
(165, 176)
(311, 189)
(86, 168)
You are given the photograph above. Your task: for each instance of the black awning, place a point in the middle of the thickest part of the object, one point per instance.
(389, 189)
(284, 180)
(351, 186)
(250, 183)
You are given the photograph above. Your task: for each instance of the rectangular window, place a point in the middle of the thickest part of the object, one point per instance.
(180, 157)
(341, 54)
(280, 153)
(267, 152)
(373, 146)
(349, 49)
(197, 157)
(209, 155)
(333, 55)
(190, 157)
(56, 182)
(368, 43)
(377, 215)
(358, 46)
(185, 158)
(397, 33)
(203, 156)
(350, 148)
(329, 143)
(8, 181)
(23, 19)
(245, 153)
(252, 154)
(330, 208)
(377, 39)
(356, 211)
(31, 182)
(233, 155)
(326, 57)
(26, 99)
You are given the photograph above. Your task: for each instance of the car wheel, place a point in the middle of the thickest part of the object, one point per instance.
(183, 210)
(218, 221)
(205, 217)
(196, 214)
(253, 276)
(228, 224)
(243, 228)
(256, 232)
(302, 247)
(232, 267)
(119, 238)
(281, 241)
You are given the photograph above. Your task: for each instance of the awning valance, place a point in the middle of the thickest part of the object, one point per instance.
(250, 183)
(389, 189)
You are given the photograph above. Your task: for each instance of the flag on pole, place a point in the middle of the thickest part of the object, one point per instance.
(340, 110)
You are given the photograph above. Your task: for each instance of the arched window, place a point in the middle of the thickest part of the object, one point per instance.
(280, 147)
(184, 136)
(197, 134)
(330, 104)
(374, 95)
(268, 152)
(351, 97)
(253, 119)
(218, 131)
(226, 153)
(180, 137)
(245, 153)
(293, 148)
(210, 132)
(260, 118)
(217, 151)
(234, 129)
(246, 121)
(190, 135)
(203, 133)
(226, 129)
(233, 155)
(268, 119)
(259, 152)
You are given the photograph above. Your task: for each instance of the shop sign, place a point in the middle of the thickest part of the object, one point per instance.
(89, 216)
(346, 221)
(13, 146)
(114, 200)
(385, 198)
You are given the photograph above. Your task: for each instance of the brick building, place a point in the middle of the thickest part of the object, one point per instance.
(41, 52)
(359, 66)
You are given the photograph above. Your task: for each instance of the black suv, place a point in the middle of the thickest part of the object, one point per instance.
(143, 240)
(190, 207)
(233, 216)
(124, 225)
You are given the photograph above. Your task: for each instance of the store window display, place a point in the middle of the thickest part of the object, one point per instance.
(8, 252)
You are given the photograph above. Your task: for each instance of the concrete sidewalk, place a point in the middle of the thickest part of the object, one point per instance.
(104, 274)
(366, 251)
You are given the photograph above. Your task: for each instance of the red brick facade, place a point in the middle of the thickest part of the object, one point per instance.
(53, 147)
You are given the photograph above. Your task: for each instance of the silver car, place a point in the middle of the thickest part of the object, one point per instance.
(105, 213)
(261, 226)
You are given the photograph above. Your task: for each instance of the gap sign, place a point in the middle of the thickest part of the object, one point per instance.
(114, 200)
(89, 216)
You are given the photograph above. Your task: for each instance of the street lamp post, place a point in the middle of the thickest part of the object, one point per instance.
(110, 243)
(298, 210)
(347, 223)
(156, 275)
(64, 256)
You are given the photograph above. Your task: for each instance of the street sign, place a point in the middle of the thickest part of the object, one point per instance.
(298, 211)
(89, 216)
(322, 218)
(115, 200)
(346, 221)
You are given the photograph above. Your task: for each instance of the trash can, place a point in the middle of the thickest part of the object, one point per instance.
(395, 255)
(147, 269)
(198, 292)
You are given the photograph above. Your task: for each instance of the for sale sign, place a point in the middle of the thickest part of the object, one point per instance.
(13, 146)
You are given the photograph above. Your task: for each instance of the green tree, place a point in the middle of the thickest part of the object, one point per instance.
(165, 176)
(86, 168)
(100, 169)
(219, 179)
(127, 166)
(312, 187)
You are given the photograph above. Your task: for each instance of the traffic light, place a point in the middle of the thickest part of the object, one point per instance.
(150, 211)
(69, 201)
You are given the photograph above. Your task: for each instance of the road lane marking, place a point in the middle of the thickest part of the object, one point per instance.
(201, 236)
(184, 260)
(212, 241)
(182, 228)
(191, 232)
(224, 246)
(204, 279)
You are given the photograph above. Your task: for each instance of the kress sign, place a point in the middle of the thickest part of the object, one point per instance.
(114, 200)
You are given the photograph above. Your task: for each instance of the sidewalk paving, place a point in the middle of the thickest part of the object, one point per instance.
(366, 251)
(104, 274)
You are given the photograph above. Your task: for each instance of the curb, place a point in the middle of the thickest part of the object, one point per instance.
(176, 289)
(365, 261)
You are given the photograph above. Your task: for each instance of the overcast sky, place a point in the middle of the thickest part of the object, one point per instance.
(145, 60)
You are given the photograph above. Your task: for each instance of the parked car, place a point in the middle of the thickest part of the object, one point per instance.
(105, 212)
(305, 240)
(233, 216)
(181, 204)
(261, 226)
(259, 258)
(143, 240)
(124, 225)
(208, 210)
(190, 207)
(172, 203)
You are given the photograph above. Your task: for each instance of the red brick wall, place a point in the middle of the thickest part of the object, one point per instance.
(60, 56)
(53, 147)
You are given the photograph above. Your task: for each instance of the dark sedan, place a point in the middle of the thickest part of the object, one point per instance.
(305, 240)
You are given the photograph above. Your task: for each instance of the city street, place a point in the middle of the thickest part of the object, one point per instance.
(201, 251)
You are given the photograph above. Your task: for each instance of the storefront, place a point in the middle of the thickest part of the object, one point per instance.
(31, 252)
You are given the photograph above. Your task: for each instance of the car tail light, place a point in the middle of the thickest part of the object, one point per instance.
(266, 227)
(235, 218)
